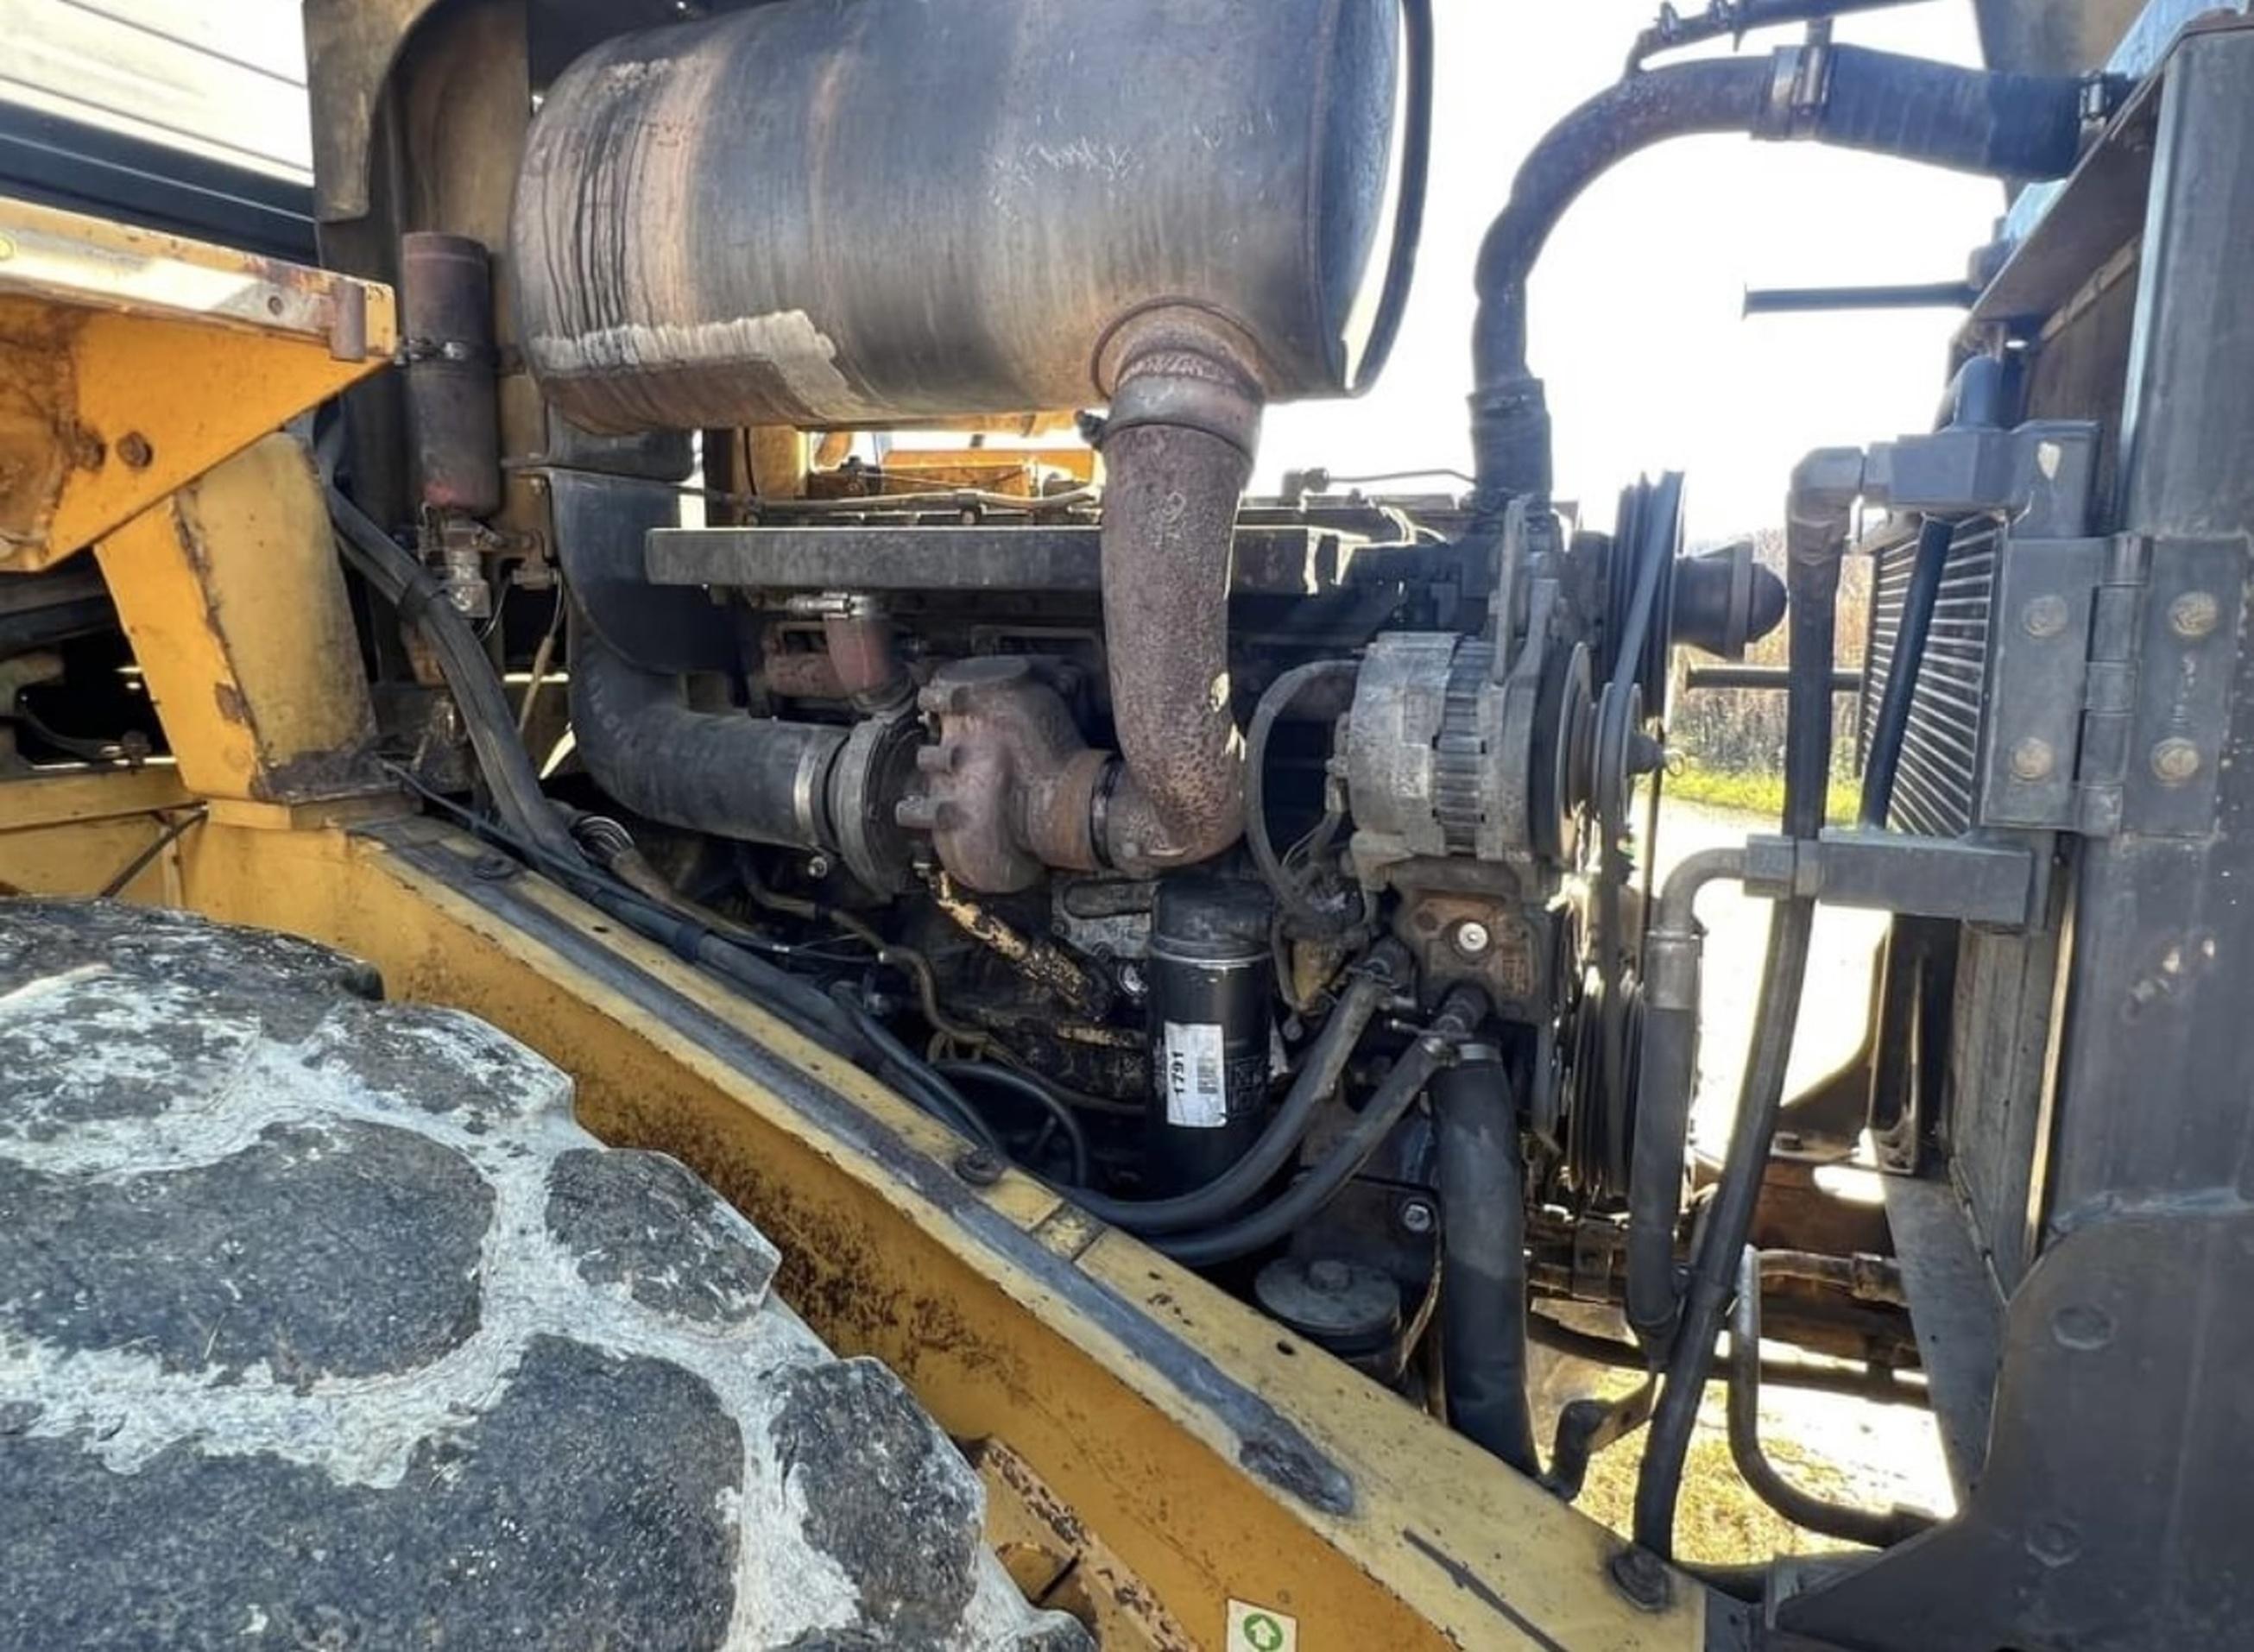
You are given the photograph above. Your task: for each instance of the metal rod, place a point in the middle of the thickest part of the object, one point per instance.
(1802, 1508)
(1902, 295)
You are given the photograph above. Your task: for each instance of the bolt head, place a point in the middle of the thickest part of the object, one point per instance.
(2193, 614)
(1329, 1276)
(2045, 617)
(2175, 760)
(1419, 1217)
(818, 867)
(1472, 938)
(2033, 759)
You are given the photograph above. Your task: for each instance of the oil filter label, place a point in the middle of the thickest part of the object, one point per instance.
(1197, 1076)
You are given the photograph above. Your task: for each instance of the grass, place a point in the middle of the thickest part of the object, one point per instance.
(1758, 793)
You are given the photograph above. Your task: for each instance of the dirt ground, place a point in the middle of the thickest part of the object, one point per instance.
(1846, 1449)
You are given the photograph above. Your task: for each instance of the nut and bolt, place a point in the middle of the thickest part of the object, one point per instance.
(979, 1166)
(2045, 617)
(2033, 759)
(2193, 614)
(2175, 760)
(1417, 1216)
(1329, 1276)
(1471, 938)
(818, 867)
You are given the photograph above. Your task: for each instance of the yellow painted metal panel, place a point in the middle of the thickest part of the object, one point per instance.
(131, 362)
(1439, 1548)
(231, 594)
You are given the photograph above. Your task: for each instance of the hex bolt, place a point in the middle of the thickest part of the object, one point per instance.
(979, 1166)
(133, 449)
(818, 867)
(1328, 1276)
(1472, 938)
(2045, 617)
(2033, 759)
(1642, 1576)
(1417, 1216)
(2175, 760)
(2193, 614)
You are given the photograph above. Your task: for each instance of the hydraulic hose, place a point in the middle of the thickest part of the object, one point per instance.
(2014, 126)
(758, 780)
(1482, 1185)
(1434, 1048)
(1905, 662)
(1801, 1507)
(1815, 537)
(400, 580)
(1378, 977)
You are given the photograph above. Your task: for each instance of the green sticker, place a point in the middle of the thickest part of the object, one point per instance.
(1261, 1629)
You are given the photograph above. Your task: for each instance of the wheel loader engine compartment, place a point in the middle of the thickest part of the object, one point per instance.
(826, 674)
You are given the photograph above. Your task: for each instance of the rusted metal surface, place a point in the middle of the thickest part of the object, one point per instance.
(1046, 965)
(1168, 519)
(1245, 168)
(1057, 1562)
(445, 290)
(1008, 787)
(132, 361)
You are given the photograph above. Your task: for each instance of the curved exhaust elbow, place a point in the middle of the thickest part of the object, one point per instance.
(756, 779)
(1185, 421)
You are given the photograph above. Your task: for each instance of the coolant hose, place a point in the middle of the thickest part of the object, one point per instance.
(1482, 1185)
(2018, 126)
(758, 780)
(1378, 977)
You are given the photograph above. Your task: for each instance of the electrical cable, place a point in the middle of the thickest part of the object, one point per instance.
(165, 839)
(1296, 904)
(1026, 1088)
(1433, 1048)
(1375, 981)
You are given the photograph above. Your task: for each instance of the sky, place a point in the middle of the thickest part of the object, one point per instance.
(1636, 322)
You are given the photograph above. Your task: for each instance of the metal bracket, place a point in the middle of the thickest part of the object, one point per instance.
(2109, 683)
(1958, 878)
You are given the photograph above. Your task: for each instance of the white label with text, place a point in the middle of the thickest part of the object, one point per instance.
(1197, 1076)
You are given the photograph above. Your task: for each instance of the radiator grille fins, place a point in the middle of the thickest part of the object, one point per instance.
(1934, 786)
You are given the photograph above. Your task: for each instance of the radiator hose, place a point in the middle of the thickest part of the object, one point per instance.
(2018, 126)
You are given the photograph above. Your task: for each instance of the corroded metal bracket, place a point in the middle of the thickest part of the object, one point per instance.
(132, 363)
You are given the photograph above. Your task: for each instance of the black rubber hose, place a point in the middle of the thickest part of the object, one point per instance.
(1804, 1508)
(2016, 126)
(1483, 1184)
(1997, 125)
(400, 580)
(1030, 1090)
(1892, 728)
(1377, 979)
(1433, 1048)
(1812, 579)
(757, 779)
(1511, 428)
